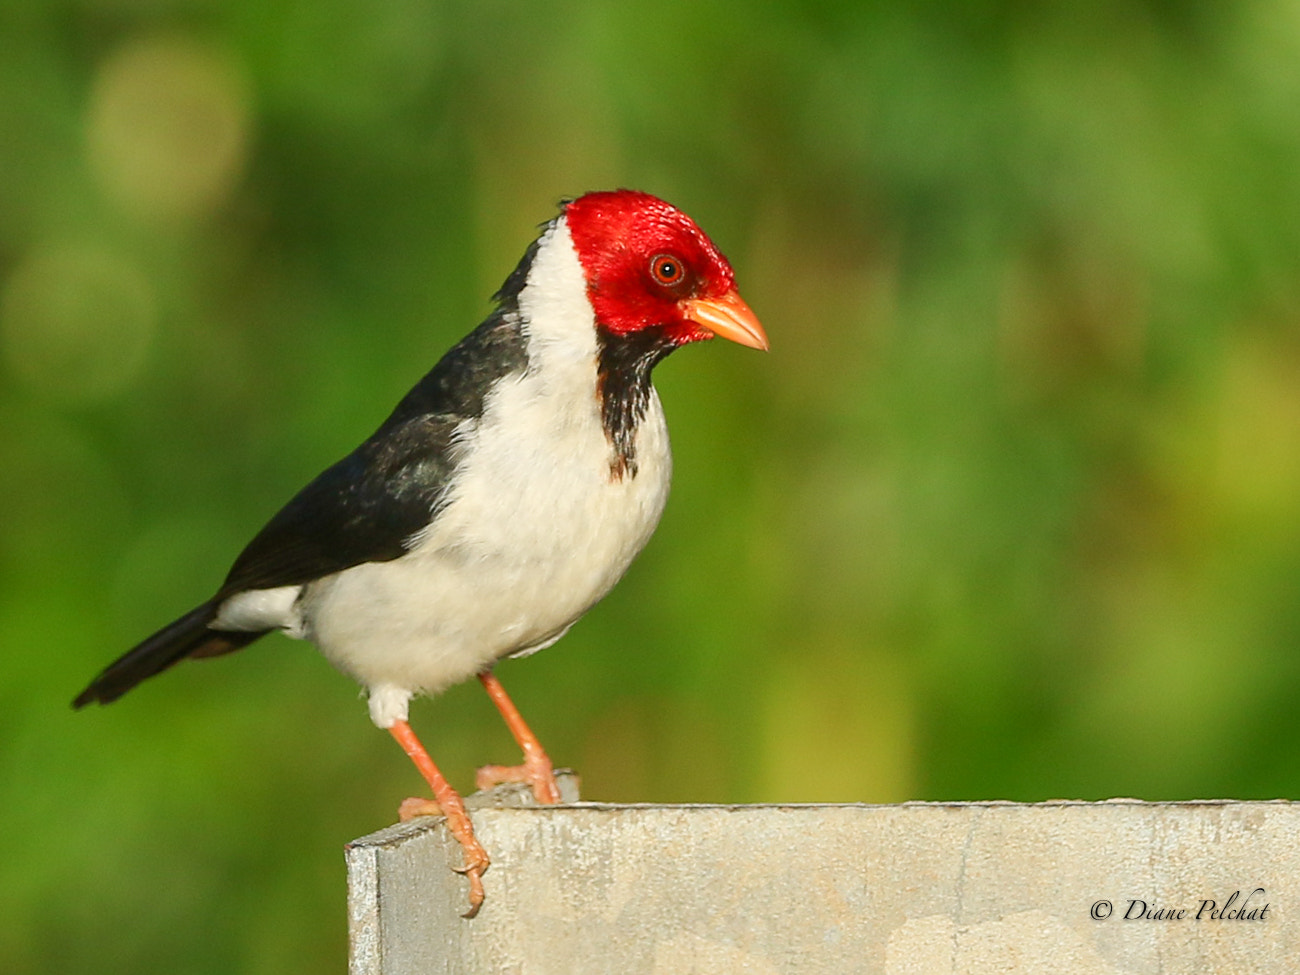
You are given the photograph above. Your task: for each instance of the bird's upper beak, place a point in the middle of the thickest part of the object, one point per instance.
(728, 317)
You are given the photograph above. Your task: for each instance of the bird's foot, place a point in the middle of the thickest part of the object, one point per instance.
(414, 807)
(536, 771)
(476, 858)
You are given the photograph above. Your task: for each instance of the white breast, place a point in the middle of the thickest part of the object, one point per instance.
(535, 531)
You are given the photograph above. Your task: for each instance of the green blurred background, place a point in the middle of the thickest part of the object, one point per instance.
(1011, 510)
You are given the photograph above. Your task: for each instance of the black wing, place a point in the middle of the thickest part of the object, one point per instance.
(362, 509)
(367, 507)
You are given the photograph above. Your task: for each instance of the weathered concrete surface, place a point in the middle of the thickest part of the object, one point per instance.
(912, 889)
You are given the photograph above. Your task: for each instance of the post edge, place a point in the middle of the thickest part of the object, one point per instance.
(363, 910)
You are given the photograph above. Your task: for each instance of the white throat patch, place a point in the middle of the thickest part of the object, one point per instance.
(559, 319)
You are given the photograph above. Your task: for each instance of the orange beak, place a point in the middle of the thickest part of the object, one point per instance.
(728, 317)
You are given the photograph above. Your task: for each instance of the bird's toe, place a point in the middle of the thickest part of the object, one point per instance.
(416, 806)
(539, 774)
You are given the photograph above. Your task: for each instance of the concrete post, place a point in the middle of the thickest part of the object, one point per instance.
(1063, 888)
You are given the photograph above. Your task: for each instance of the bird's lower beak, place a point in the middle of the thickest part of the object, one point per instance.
(728, 317)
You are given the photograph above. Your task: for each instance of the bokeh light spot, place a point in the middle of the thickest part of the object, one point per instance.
(168, 128)
(76, 322)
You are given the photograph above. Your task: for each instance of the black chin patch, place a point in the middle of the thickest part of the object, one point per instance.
(623, 367)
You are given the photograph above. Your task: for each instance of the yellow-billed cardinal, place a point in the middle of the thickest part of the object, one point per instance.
(505, 495)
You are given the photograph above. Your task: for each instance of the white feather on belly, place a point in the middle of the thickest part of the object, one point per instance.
(533, 535)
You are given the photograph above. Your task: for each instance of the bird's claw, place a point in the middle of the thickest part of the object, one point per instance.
(473, 870)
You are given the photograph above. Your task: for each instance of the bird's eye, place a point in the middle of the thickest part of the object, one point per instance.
(666, 269)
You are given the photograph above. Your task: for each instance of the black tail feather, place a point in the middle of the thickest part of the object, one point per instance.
(189, 636)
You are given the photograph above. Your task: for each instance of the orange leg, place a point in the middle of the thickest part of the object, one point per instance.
(536, 770)
(448, 803)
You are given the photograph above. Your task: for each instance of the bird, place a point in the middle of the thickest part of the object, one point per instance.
(504, 496)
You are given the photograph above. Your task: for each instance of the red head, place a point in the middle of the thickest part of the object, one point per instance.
(648, 264)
